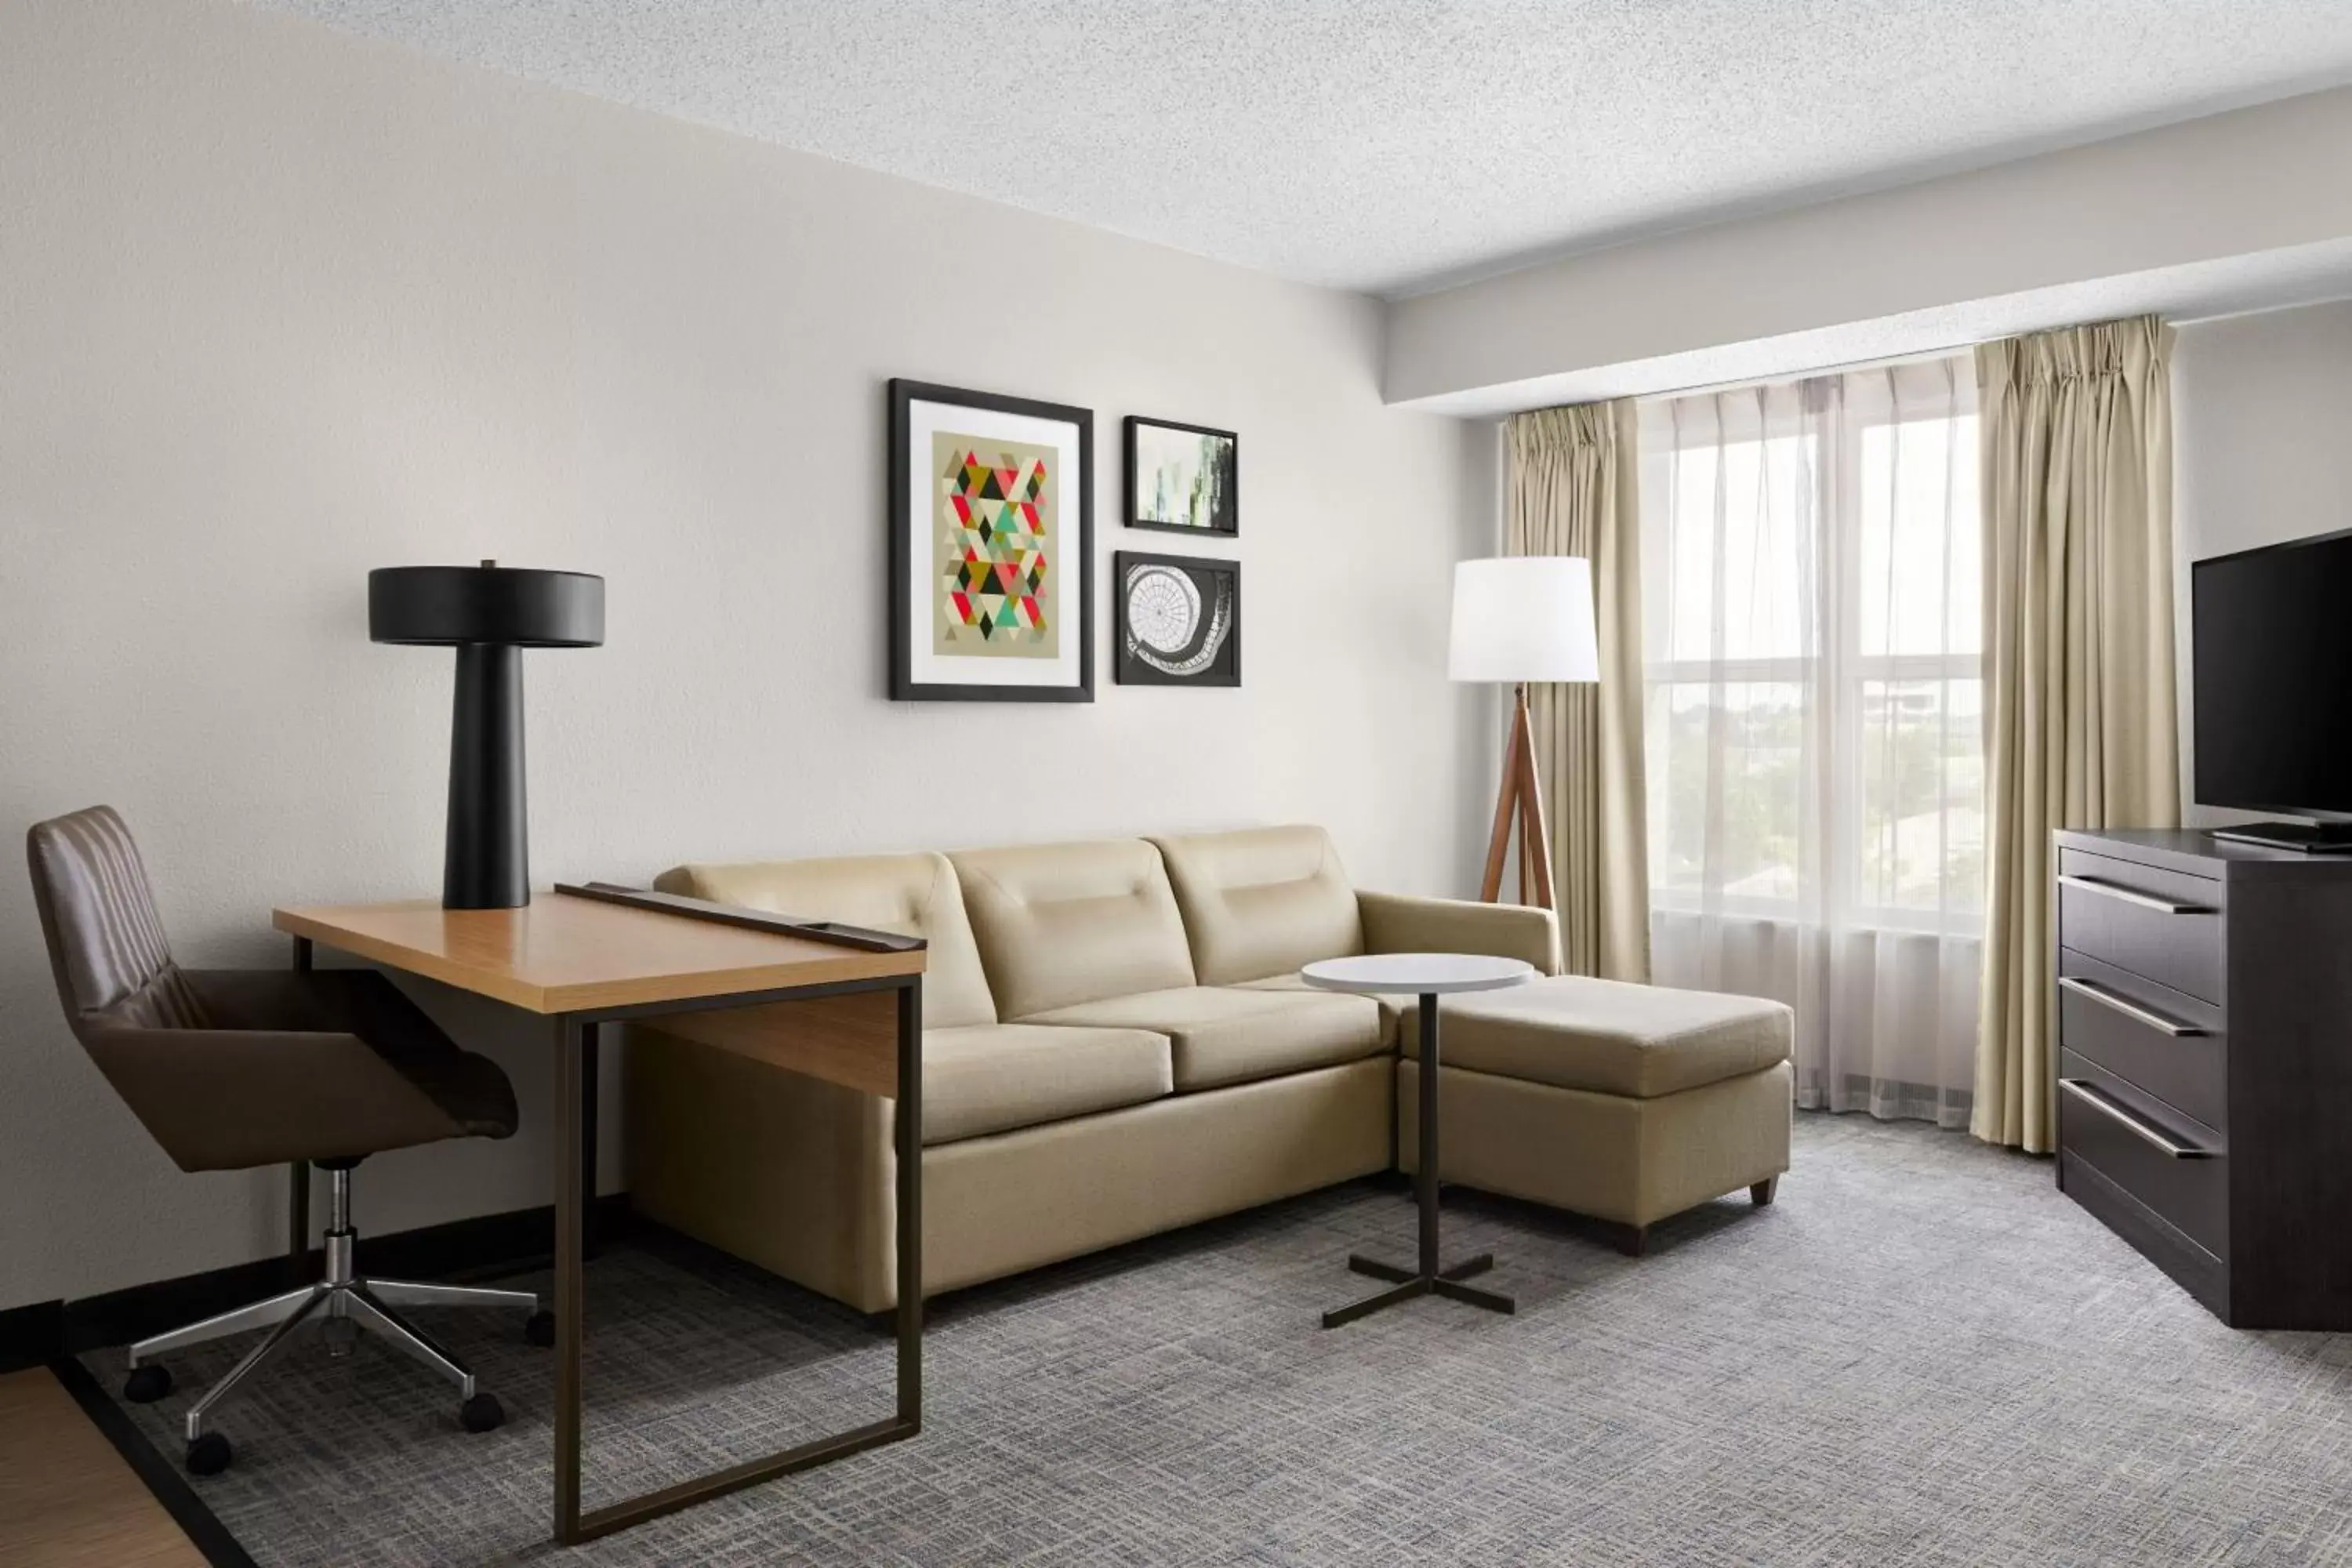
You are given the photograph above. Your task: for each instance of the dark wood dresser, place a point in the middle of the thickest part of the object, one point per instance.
(2205, 1065)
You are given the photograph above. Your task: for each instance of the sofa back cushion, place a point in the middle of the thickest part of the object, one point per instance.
(911, 895)
(1059, 924)
(1262, 902)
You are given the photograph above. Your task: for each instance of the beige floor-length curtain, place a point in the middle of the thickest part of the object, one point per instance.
(1573, 489)
(2081, 728)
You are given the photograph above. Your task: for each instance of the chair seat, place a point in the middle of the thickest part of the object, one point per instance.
(1225, 1035)
(993, 1077)
(465, 1094)
(1639, 1041)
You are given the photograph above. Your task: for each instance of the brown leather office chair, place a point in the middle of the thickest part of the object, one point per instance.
(230, 1070)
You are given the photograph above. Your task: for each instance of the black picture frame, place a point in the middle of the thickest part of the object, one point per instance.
(1229, 509)
(906, 529)
(1216, 597)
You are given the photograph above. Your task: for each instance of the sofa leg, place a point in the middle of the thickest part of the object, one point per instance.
(1764, 1192)
(1632, 1240)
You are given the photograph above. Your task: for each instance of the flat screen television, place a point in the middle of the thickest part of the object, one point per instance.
(2273, 688)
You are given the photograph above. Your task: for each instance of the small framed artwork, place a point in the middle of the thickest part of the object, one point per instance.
(1180, 620)
(991, 545)
(1185, 478)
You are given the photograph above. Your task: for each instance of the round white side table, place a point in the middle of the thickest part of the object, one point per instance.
(1428, 975)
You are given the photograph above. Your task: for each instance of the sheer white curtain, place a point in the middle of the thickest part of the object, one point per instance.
(1812, 630)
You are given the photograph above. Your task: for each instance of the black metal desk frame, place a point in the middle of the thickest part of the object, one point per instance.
(574, 1038)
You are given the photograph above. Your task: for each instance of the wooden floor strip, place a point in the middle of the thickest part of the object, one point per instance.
(68, 1499)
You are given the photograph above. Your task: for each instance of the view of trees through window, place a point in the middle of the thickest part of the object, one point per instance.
(1815, 692)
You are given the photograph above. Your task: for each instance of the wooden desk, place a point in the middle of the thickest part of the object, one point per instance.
(840, 1014)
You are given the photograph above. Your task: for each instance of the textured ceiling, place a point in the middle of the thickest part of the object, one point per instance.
(1389, 145)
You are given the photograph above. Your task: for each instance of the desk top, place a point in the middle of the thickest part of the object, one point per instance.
(1425, 973)
(562, 954)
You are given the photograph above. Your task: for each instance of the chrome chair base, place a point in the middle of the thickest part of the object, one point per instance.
(343, 1301)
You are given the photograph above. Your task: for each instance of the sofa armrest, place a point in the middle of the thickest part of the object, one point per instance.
(1395, 923)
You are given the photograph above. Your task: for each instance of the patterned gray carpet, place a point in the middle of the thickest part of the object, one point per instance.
(1921, 1355)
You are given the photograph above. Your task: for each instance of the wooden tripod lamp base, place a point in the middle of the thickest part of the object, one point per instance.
(1520, 800)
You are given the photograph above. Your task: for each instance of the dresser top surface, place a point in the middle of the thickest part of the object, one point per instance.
(2196, 851)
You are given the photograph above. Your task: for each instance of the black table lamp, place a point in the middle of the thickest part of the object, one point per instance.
(489, 614)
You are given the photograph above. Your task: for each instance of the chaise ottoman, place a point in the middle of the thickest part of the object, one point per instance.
(1627, 1104)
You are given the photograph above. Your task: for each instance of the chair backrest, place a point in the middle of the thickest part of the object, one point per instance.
(1262, 902)
(106, 942)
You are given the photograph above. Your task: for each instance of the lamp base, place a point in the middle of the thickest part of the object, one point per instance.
(1520, 800)
(486, 861)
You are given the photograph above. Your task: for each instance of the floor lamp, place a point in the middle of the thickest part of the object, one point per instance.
(1520, 618)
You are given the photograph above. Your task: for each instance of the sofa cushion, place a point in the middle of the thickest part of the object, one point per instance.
(1641, 1041)
(1232, 1035)
(1261, 902)
(1060, 924)
(909, 895)
(1391, 1008)
(993, 1077)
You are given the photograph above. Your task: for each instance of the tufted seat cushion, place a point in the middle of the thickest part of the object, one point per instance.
(993, 1077)
(1640, 1041)
(1220, 1036)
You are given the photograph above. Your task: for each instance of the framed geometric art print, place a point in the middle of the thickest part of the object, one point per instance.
(1178, 619)
(992, 537)
(1184, 479)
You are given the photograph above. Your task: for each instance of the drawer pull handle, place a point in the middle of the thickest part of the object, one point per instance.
(2081, 1089)
(2105, 888)
(2132, 1010)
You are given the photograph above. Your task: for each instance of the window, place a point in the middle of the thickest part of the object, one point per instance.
(1812, 630)
(1815, 630)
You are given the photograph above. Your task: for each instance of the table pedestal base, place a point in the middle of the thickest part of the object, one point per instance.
(1410, 1286)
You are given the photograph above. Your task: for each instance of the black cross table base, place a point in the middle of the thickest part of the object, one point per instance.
(1429, 1279)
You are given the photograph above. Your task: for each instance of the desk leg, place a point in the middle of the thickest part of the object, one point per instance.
(910, 1204)
(297, 1177)
(573, 1043)
(591, 1065)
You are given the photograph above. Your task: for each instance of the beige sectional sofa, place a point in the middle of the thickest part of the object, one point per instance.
(1115, 1043)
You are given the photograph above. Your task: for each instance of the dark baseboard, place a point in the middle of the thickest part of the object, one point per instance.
(157, 1473)
(489, 1244)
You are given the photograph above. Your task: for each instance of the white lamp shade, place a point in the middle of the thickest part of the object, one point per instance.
(1524, 617)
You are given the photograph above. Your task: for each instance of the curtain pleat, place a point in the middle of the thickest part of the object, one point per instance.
(2076, 458)
(1573, 490)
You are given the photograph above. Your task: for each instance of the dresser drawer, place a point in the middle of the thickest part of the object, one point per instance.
(2164, 925)
(2176, 1168)
(2161, 1040)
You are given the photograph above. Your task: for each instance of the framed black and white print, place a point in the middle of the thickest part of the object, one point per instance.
(992, 547)
(1178, 619)
(1185, 478)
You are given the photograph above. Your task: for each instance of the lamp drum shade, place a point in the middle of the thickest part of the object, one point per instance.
(449, 607)
(1524, 618)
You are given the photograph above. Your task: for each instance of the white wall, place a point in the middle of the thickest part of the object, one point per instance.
(277, 306)
(2262, 431)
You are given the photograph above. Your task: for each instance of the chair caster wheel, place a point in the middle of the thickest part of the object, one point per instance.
(483, 1412)
(539, 1329)
(209, 1455)
(147, 1384)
